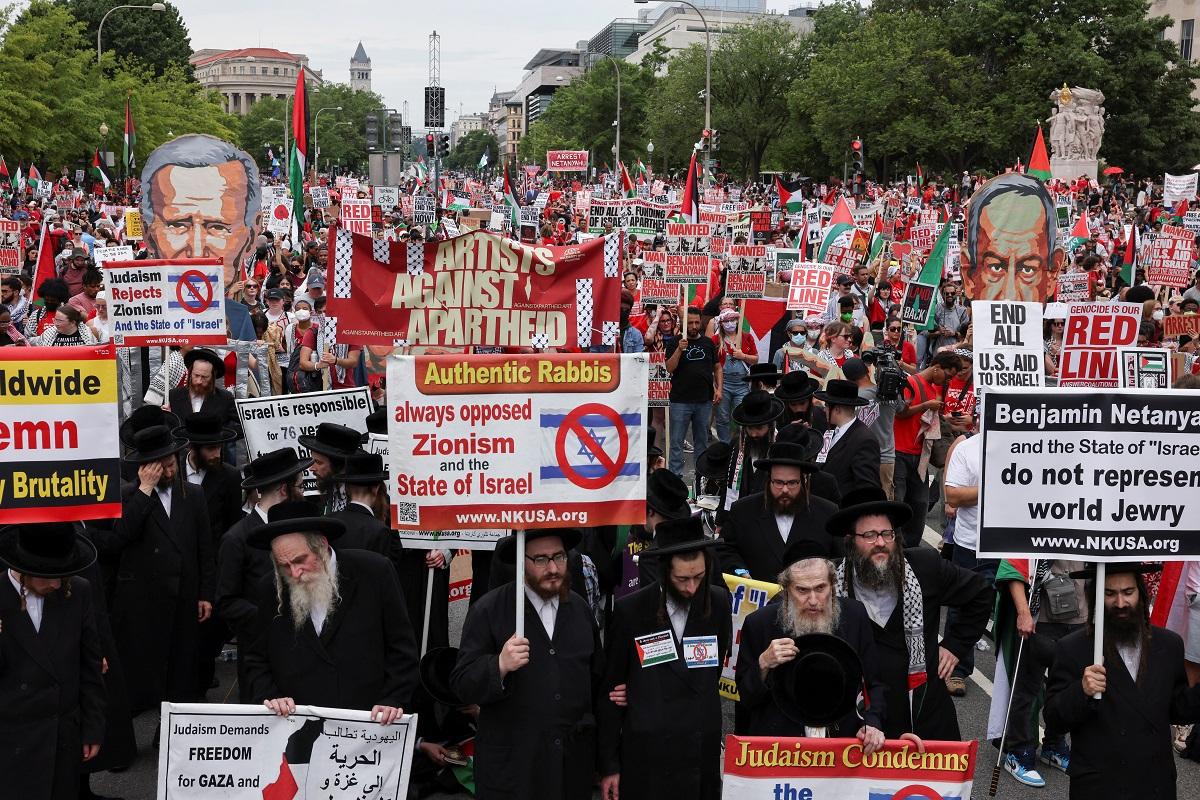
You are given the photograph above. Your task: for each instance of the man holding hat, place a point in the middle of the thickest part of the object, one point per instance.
(756, 423)
(537, 729)
(851, 452)
(166, 576)
(758, 528)
(665, 646)
(203, 391)
(275, 476)
(329, 448)
(51, 690)
(332, 629)
(904, 591)
(1121, 743)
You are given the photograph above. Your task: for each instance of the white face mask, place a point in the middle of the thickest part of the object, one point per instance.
(814, 334)
(303, 315)
(1158, 315)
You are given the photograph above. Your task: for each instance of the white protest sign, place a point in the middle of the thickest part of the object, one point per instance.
(166, 302)
(1073, 287)
(809, 289)
(1179, 187)
(387, 197)
(1146, 368)
(247, 752)
(517, 441)
(356, 215)
(1091, 337)
(423, 209)
(1008, 345)
(320, 196)
(279, 215)
(102, 255)
(1091, 475)
(10, 247)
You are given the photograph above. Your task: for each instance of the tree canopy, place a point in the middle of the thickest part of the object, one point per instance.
(470, 149)
(159, 39)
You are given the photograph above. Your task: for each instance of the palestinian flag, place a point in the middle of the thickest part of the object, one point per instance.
(20, 181)
(512, 208)
(786, 193)
(697, 294)
(759, 318)
(128, 156)
(294, 762)
(483, 160)
(298, 163)
(840, 229)
(877, 241)
(1008, 641)
(1039, 162)
(99, 172)
(1181, 209)
(1129, 255)
(626, 182)
(1079, 234)
(921, 295)
(3, 169)
(1170, 604)
(920, 175)
(35, 177)
(45, 262)
(452, 203)
(689, 204)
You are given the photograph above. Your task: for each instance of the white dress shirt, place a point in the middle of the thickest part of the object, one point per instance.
(320, 611)
(197, 401)
(34, 603)
(840, 431)
(784, 523)
(164, 496)
(880, 603)
(192, 474)
(547, 610)
(678, 615)
(1131, 654)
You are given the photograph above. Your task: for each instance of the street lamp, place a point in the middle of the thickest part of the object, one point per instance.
(100, 30)
(650, 151)
(707, 78)
(316, 119)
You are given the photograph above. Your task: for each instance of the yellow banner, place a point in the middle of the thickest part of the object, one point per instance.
(747, 596)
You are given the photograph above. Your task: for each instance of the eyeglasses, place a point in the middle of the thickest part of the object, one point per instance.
(541, 562)
(893, 330)
(778, 484)
(870, 537)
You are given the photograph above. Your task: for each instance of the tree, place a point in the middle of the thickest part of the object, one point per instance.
(262, 129)
(157, 38)
(342, 143)
(470, 148)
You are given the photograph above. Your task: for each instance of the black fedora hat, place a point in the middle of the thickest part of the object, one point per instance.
(333, 440)
(1116, 568)
(841, 393)
(757, 408)
(786, 454)
(806, 437)
(767, 372)
(143, 417)
(821, 684)
(152, 444)
(667, 494)
(861, 502)
(273, 467)
(795, 386)
(204, 428)
(436, 666)
(674, 536)
(506, 548)
(802, 549)
(362, 468)
(377, 423)
(46, 550)
(294, 516)
(204, 354)
(714, 461)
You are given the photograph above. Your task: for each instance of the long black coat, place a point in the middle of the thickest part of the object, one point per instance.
(854, 460)
(1121, 743)
(764, 716)
(51, 693)
(750, 538)
(667, 740)
(166, 568)
(537, 729)
(365, 531)
(219, 402)
(942, 584)
(223, 497)
(364, 656)
(240, 570)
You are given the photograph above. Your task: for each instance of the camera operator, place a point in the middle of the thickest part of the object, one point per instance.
(879, 414)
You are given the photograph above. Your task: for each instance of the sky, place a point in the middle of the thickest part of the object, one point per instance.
(485, 43)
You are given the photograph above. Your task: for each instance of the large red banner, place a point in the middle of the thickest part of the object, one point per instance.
(476, 289)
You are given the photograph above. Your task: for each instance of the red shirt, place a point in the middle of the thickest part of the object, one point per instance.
(964, 406)
(909, 438)
(748, 347)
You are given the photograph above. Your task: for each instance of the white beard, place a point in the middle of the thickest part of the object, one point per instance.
(316, 590)
(800, 624)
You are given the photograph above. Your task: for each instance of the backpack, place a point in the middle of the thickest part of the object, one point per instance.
(301, 381)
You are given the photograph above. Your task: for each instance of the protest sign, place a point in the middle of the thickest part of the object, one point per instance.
(690, 268)
(689, 237)
(526, 441)
(320, 196)
(634, 214)
(386, 197)
(1191, 221)
(1073, 287)
(922, 237)
(133, 224)
(103, 255)
(279, 215)
(1181, 325)
(60, 459)
(566, 161)
(356, 215)
(657, 292)
(917, 304)
(746, 596)
(166, 302)
(746, 267)
(1008, 344)
(784, 260)
(424, 209)
(10, 247)
(659, 391)
(1091, 337)
(1179, 187)
(244, 752)
(770, 768)
(1145, 368)
(809, 290)
(1091, 475)
(1171, 255)
(530, 215)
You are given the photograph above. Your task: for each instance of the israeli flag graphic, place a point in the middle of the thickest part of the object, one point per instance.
(588, 447)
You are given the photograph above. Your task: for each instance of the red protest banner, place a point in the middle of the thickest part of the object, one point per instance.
(1171, 255)
(566, 160)
(1093, 333)
(1181, 325)
(809, 290)
(476, 289)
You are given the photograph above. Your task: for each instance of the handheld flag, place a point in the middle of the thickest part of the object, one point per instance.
(1039, 162)
(129, 159)
(483, 160)
(1080, 233)
(841, 225)
(920, 175)
(512, 208)
(35, 177)
(298, 164)
(99, 172)
(3, 168)
(45, 262)
(921, 295)
(786, 195)
(626, 182)
(20, 182)
(689, 204)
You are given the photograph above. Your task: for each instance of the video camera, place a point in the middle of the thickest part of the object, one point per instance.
(890, 379)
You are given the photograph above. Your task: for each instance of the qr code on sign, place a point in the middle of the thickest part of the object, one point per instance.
(407, 512)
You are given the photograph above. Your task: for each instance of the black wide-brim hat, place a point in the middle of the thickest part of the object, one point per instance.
(667, 494)
(332, 440)
(436, 666)
(764, 372)
(204, 354)
(153, 444)
(506, 548)
(841, 393)
(46, 550)
(362, 469)
(294, 516)
(714, 461)
(797, 385)
(143, 417)
(758, 408)
(860, 503)
(821, 684)
(204, 428)
(786, 454)
(377, 423)
(675, 536)
(1116, 568)
(804, 436)
(274, 467)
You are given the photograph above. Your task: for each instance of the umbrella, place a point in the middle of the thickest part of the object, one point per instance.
(1113, 171)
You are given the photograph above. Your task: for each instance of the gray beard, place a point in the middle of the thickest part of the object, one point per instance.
(889, 575)
(795, 623)
(319, 591)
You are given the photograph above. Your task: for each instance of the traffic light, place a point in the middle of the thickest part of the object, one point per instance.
(372, 131)
(444, 146)
(430, 150)
(856, 156)
(705, 139)
(716, 140)
(395, 131)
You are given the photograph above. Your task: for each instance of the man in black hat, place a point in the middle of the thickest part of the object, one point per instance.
(796, 390)
(203, 392)
(666, 644)
(537, 735)
(166, 576)
(1121, 743)
(51, 690)
(756, 427)
(806, 605)
(851, 452)
(328, 449)
(275, 476)
(764, 377)
(904, 591)
(758, 528)
(332, 629)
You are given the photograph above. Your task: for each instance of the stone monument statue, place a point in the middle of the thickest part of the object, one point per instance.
(1076, 128)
